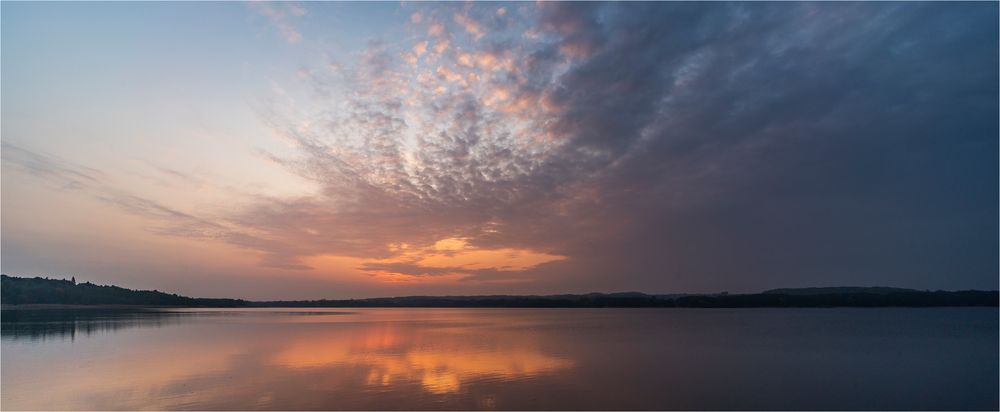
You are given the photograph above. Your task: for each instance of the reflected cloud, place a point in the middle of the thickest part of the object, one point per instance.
(217, 360)
(512, 359)
(441, 363)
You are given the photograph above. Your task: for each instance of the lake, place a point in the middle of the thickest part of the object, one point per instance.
(298, 358)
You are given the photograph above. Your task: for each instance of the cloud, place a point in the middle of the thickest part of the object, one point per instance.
(64, 174)
(436, 29)
(642, 146)
(165, 220)
(648, 140)
(281, 15)
(469, 24)
(454, 257)
(420, 48)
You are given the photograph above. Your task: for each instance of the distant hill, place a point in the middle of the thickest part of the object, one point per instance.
(881, 290)
(16, 291)
(20, 291)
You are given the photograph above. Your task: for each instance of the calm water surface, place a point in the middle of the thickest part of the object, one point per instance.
(501, 359)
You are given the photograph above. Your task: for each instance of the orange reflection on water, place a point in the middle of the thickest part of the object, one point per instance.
(279, 359)
(440, 360)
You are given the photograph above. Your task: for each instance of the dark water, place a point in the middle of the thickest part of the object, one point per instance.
(891, 358)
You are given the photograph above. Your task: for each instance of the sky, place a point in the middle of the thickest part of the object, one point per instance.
(344, 150)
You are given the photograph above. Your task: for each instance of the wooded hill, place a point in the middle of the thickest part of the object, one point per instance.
(21, 291)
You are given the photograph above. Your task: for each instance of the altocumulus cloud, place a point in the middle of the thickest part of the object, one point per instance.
(663, 145)
(653, 146)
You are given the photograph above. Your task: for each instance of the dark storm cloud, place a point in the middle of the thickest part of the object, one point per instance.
(795, 144)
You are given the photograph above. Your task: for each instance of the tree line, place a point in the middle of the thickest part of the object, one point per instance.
(18, 291)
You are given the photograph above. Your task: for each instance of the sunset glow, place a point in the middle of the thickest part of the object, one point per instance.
(283, 150)
(497, 205)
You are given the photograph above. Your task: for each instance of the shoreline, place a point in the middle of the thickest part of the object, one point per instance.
(55, 306)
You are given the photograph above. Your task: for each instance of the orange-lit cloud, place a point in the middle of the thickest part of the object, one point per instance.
(441, 46)
(448, 75)
(435, 29)
(420, 48)
(446, 260)
(470, 25)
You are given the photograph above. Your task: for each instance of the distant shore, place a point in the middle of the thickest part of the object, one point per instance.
(43, 293)
(54, 306)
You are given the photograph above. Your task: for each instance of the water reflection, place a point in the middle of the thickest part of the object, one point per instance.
(513, 359)
(263, 359)
(440, 360)
(40, 325)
